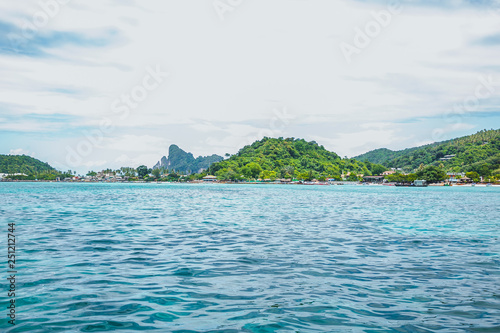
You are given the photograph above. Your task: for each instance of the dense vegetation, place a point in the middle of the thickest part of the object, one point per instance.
(478, 156)
(430, 173)
(382, 155)
(478, 153)
(11, 164)
(272, 158)
(30, 167)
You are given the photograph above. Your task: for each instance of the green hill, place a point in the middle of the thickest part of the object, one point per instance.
(479, 152)
(272, 158)
(11, 164)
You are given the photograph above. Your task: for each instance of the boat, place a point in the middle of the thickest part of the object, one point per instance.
(416, 183)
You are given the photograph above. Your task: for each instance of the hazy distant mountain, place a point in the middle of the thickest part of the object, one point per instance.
(184, 162)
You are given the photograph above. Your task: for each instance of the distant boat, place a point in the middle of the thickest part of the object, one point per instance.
(420, 183)
(416, 183)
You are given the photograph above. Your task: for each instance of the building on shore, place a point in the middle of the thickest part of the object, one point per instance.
(374, 179)
(447, 157)
(209, 178)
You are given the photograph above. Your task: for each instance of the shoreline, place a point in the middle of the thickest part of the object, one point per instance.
(240, 183)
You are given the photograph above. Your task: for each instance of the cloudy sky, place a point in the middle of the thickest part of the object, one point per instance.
(96, 84)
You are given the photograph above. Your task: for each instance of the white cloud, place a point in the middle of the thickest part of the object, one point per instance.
(93, 164)
(136, 160)
(227, 71)
(136, 143)
(20, 151)
(358, 142)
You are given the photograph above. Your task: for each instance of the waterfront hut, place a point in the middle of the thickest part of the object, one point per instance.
(465, 180)
(209, 178)
(374, 179)
(420, 183)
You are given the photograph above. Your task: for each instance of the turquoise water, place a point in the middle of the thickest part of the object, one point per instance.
(252, 258)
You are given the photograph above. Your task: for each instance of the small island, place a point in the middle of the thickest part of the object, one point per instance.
(469, 160)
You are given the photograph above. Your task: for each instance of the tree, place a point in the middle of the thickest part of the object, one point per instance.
(287, 171)
(142, 171)
(411, 177)
(246, 172)
(473, 175)
(432, 174)
(92, 173)
(156, 173)
(232, 175)
(266, 174)
(173, 176)
(353, 177)
(377, 169)
(304, 175)
(255, 169)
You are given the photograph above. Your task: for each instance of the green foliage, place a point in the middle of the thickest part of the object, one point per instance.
(378, 156)
(254, 170)
(273, 158)
(156, 173)
(31, 167)
(128, 172)
(173, 177)
(373, 169)
(479, 152)
(267, 174)
(228, 174)
(377, 169)
(305, 175)
(396, 178)
(432, 174)
(402, 178)
(473, 175)
(11, 164)
(142, 171)
(353, 177)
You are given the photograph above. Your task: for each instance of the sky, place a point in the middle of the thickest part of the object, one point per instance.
(89, 85)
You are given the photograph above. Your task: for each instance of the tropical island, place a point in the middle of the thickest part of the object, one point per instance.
(470, 159)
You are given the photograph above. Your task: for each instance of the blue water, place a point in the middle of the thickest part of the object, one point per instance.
(252, 258)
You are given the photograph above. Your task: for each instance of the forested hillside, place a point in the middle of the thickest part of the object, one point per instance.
(479, 152)
(272, 158)
(11, 164)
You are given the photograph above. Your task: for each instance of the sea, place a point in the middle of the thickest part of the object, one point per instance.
(191, 258)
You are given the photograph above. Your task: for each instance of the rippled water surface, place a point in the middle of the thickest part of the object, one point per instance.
(252, 258)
